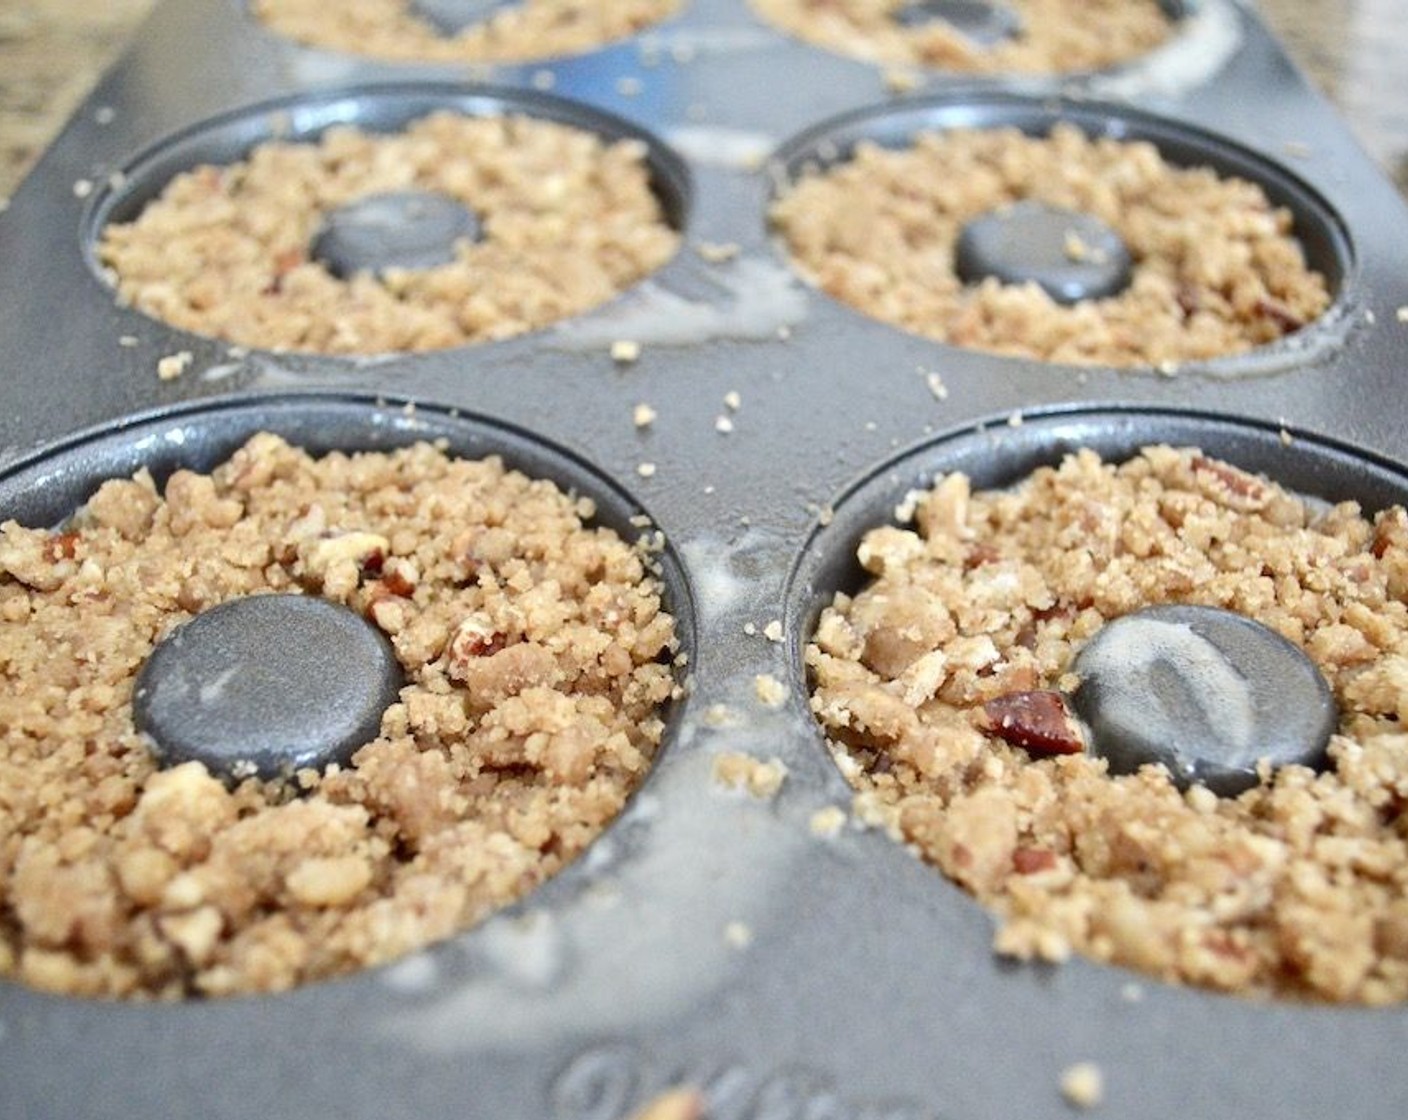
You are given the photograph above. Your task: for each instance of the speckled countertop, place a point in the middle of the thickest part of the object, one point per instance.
(52, 51)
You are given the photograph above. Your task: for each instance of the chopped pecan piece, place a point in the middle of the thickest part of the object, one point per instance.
(1029, 861)
(1279, 314)
(61, 546)
(1037, 721)
(475, 637)
(1238, 482)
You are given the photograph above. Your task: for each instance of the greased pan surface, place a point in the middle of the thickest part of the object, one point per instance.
(868, 987)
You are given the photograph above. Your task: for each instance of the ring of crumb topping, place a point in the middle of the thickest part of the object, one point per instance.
(1216, 268)
(522, 32)
(569, 220)
(1296, 887)
(535, 652)
(1053, 36)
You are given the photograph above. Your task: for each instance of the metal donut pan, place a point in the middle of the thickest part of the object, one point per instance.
(867, 989)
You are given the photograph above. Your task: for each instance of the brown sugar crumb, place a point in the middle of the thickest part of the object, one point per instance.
(535, 652)
(827, 823)
(625, 352)
(1057, 36)
(1083, 1085)
(770, 692)
(174, 365)
(753, 776)
(1216, 269)
(716, 252)
(1293, 889)
(569, 222)
(674, 1104)
(521, 32)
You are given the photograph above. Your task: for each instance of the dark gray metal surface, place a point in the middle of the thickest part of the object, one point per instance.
(868, 989)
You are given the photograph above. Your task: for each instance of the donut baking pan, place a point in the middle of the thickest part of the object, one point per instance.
(708, 938)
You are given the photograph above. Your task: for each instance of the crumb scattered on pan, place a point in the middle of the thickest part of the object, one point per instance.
(1401, 314)
(738, 935)
(898, 80)
(174, 365)
(773, 631)
(646, 470)
(723, 425)
(629, 86)
(733, 400)
(534, 649)
(1056, 36)
(569, 221)
(770, 691)
(1083, 1085)
(624, 351)
(720, 715)
(643, 415)
(737, 771)
(1296, 888)
(827, 823)
(716, 252)
(1216, 267)
(519, 32)
(936, 386)
(674, 1104)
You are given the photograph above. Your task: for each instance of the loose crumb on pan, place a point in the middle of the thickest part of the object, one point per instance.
(534, 649)
(827, 823)
(174, 365)
(624, 351)
(1083, 1085)
(569, 222)
(1216, 268)
(716, 252)
(1296, 888)
(643, 415)
(533, 29)
(761, 779)
(903, 79)
(770, 692)
(674, 1104)
(738, 935)
(1056, 36)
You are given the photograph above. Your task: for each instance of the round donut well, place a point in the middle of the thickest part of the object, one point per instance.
(1322, 233)
(1174, 11)
(230, 137)
(45, 489)
(999, 456)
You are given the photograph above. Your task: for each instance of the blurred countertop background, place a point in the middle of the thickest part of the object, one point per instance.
(53, 51)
